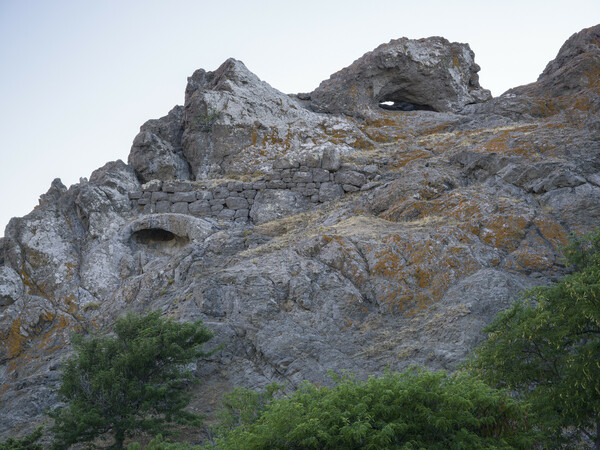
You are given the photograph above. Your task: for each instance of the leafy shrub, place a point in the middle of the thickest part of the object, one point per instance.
(411, 410)
(26, 443)
(546, 347)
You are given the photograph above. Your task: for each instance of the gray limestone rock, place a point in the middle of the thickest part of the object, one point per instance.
(11, 286)
(456, 215)
(273, 204)
(330, 191)
(156, 152)
(429, 74)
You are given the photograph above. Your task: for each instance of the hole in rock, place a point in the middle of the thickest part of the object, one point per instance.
(157, 240)
(401, 105)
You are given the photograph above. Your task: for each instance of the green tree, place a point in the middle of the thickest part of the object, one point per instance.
(29, 442)
(411, 410)
(131, 380)
(546, 347)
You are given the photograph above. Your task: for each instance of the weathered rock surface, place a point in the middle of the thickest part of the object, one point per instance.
(426, 74)
(157, 152)
(310, 241)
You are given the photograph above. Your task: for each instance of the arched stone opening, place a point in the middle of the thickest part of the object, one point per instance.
(158, 240)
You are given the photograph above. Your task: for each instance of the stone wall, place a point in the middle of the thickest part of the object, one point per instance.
(232, 199)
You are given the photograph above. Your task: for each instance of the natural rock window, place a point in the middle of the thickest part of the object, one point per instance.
(401, 105)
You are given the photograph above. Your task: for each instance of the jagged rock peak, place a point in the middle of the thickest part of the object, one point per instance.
(580, 45)
(431, 74)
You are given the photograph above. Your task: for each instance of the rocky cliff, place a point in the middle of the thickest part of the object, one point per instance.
(379, 221)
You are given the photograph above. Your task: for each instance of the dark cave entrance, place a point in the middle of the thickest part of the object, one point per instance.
(153, 235)
(158, 241)
(393, 103)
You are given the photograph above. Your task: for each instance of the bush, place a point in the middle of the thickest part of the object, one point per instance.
(26, 443)
(546, 347)
(131, 381)
(415, 409)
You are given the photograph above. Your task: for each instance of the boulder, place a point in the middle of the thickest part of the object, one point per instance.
(404, 75)
(156, 152)
(11, 286)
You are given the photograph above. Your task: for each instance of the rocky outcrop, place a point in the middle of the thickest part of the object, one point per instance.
(427, 74)
(309, 241)
(157, 151)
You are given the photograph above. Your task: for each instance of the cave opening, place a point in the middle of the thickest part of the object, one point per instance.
(158, 241)
(152, 235)
(401, 105)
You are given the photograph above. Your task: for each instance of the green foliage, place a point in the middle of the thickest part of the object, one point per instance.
(160, 443)
(132, 380)
(206, 120)
(547, 348)
(411, 410)
(26, 443)
(243, 407)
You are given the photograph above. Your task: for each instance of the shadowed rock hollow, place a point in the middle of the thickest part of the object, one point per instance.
(313, 231)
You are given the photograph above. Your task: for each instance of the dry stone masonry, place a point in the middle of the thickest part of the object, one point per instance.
(324, 180)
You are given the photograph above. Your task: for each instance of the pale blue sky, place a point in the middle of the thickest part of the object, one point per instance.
(79, 77)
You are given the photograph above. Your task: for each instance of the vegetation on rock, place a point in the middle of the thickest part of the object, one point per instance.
(413, 409)
(131, 381)
(29, 442)
(546, 347)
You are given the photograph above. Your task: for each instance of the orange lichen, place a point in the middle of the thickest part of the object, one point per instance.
(15, 341)
(412, 274)
(504, 232)
(552, 231)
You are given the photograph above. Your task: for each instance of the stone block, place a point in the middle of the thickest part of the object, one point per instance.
(241, 213)
(216, 201)
(187, 197)
(216, 208)
(246, 186)
(152, 186)
(315, 198)
(320, 175)
(236, 203)
(204, 195)
(147, 195)
(276, 184)
(135, 195)
(143, 201)
(220, 192)
(330, 191)
(249, 193)
(350, 188)
(177, 186)
(235, 186)
(159, 196)
(259, 185)
(179, 207)
(163, 206)
(311, 160)
(149, 208)
(226, 214)
(350, 177)
(331, 159)
(282, 163)
(199, 208)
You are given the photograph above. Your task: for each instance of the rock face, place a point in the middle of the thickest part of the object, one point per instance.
(157, 152)
(427, 74)
(357, 240)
